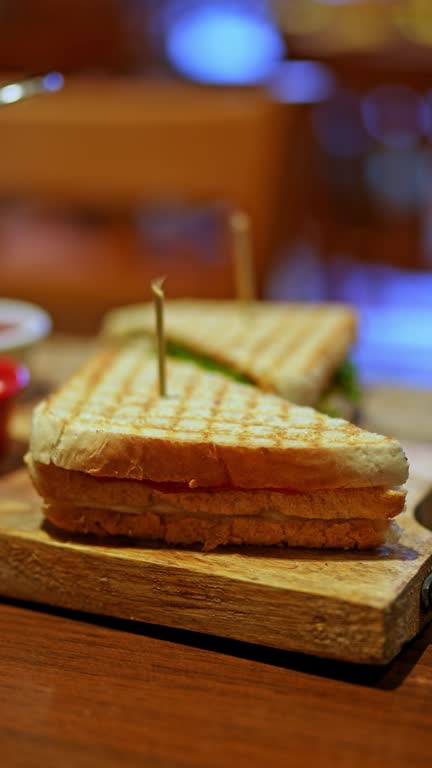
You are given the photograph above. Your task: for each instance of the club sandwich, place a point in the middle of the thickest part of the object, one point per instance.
(216, 462)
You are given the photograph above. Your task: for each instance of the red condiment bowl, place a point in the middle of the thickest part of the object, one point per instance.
(13, 378)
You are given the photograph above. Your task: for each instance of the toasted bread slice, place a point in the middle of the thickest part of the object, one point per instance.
(71, 488)
(215, 532)
(109, 421)
(289, 349)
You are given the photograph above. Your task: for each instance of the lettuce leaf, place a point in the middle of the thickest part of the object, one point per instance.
(182, 353)
(346, 380)
(343, 396)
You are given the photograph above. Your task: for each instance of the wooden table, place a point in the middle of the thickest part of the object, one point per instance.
(78, 691)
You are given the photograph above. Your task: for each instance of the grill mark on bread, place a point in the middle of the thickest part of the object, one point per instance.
(318, 428)
(279, 432)
(124, 391)
(188, 390)
(293, 339)
(250, 406)
(247, 321)
(222, 413)
(319, 351)
(219, 398)
(263, 341)
(213, 351)
(291, 348)
(99, 366)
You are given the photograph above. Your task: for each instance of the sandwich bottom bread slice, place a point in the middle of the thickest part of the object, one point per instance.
(216, 462)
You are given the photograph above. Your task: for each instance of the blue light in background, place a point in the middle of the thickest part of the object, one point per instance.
(395, 115)
(223, 44)
(395, 342)
(53, 81)
(302, 82)
(338, 126)
(397, 178)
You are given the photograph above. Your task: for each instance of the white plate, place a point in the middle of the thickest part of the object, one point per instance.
(29, 324)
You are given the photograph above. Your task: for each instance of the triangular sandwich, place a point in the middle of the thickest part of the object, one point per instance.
(214, 462)
(298, 351)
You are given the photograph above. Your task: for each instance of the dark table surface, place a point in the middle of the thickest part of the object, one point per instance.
(80, 691)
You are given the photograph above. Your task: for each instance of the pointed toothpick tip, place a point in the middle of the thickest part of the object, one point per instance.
(157, 286)
(239, 221)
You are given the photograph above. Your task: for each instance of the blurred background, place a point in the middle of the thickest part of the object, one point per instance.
(160, 116)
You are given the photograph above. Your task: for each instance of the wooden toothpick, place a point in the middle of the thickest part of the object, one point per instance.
(243, 263)
(158, 297)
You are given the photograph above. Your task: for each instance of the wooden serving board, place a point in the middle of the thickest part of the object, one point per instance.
(359, 607)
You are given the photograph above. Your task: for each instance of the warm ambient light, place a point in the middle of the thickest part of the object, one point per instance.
(413, 21)
(223, 44)
(298, 17)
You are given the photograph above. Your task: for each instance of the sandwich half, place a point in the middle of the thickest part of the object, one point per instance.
(215, 462)
(298, 351)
